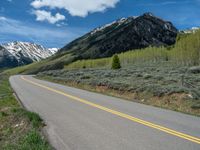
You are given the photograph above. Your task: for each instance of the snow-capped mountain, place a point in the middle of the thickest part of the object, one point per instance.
(192, 30)
(20, 53)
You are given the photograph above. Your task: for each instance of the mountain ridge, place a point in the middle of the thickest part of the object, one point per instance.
(122, 35)
(18, 53)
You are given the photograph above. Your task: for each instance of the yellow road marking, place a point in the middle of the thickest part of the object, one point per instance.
(123, 115)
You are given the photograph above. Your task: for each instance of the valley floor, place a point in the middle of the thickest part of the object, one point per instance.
(167, 86)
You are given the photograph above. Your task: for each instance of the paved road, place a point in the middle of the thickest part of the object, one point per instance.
(82, 120)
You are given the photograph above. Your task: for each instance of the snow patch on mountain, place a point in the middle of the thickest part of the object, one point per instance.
(117, 22)
(28, 50)
(192, 30)
(53, 50)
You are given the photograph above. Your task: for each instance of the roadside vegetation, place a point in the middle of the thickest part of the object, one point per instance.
(19, 129)
(167, 77)
(162, 85)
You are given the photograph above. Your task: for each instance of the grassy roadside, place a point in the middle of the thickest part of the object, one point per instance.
(177, 101)
(19, 129)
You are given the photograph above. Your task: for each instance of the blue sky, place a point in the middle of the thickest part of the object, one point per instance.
(54, 23)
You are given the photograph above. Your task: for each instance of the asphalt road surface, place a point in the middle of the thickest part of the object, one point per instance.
(81, 120)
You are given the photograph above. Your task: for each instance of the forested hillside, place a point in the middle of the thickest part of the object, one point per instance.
(186, 51)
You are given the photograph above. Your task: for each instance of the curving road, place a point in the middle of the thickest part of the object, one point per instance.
(82, 120)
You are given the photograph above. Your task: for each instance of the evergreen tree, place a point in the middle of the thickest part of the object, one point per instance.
(116, 62)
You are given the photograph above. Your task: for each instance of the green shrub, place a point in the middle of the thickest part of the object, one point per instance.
(195, 70)
(196, 106)
(116, 62)
(32, 140)
(34, 118)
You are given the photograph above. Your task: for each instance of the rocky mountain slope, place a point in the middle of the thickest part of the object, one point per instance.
(21, 53)
(122, 35)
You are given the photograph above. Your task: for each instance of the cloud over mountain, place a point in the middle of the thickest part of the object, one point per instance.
(76, 7)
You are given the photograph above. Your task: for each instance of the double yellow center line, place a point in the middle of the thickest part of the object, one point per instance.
(123, 115)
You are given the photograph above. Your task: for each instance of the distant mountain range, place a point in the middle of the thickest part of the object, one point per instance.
(192, 30)
(123, 35)
(21, 53)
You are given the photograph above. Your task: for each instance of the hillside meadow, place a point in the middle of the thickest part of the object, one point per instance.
(167, 77)
(186, 52)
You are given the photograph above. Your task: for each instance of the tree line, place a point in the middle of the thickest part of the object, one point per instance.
(185, 52)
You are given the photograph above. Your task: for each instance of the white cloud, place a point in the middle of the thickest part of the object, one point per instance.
(3, 18)
(79, 8)
(42, 15)
(12, 30)
(11, 26)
